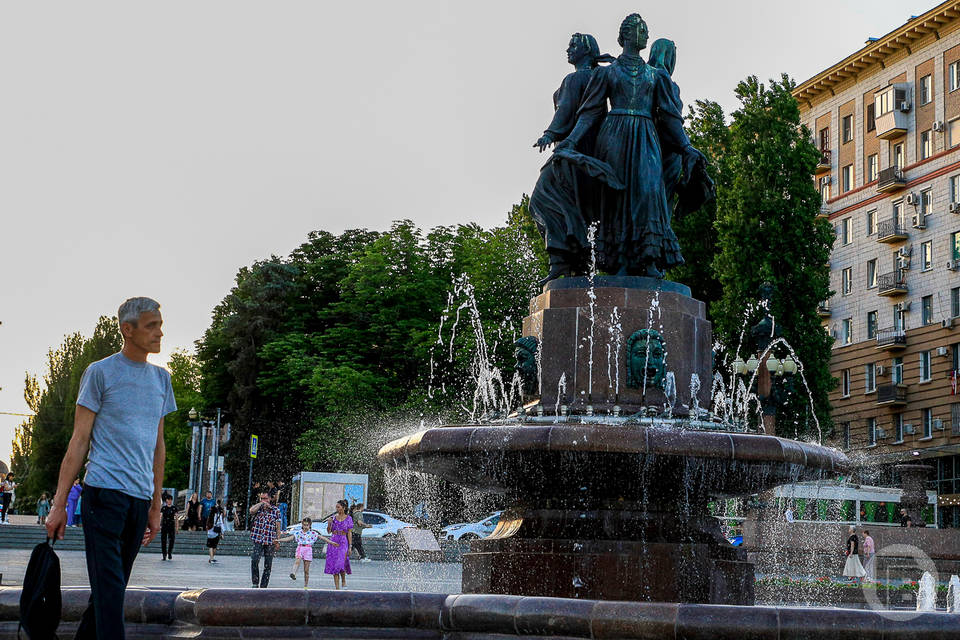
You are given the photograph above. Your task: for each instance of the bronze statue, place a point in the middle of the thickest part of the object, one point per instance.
(628, 194)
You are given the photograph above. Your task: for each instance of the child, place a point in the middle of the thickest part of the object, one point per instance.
(43, 509)
(214, 531)
(305, 538)
(168, 526)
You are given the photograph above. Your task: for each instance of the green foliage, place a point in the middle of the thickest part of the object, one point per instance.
(177, 434)
(768, 230)
(328, 353)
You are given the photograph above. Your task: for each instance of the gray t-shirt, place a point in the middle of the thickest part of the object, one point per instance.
(129, 399)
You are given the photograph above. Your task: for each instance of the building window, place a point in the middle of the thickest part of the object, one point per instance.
(872, 222)
(870, 377)
(896, 156)
(872, 431)
(926, 417)
(845, 383)
(846, 230)
(926, 202)
(955, 188)
(825, 139)
(955, 302)
(926, 145)
(926, 255)
(955, 245)
(824, 190)
(953, 73)
(846, 435)
(926, 86)
(896, 371)
(897, 317)
(924, 366)
(953, 132)
(871, 325)
(884, 102)
(898, 427)
(871, 118)
(926, 310)
(846, 278)
(898, 212)
(871, 273)
(873, 167)
(846, 331)
(847, 177)
(847, 128)
(955, 419)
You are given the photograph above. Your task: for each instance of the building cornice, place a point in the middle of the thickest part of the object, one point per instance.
(878, 52)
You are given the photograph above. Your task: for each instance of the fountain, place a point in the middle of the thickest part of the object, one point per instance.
(953, 595)
(927, 592)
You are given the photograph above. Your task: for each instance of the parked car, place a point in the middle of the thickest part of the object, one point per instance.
(471, 530)
(381, 525)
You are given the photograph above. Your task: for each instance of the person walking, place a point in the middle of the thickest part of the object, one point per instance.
(305, 537)
(356, 512)
(43, 508)
(230, 517)
(168, 527)
(852, 568)
(282, 502)
(73, 500)
(338, 558)
(6, 497)
(118, 429)
(869, 557)
(207, 503)
(905, 519)
(214, 533)
(192, 520)
(264, 531)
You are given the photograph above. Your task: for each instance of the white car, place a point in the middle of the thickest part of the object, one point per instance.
(381, 525)
(471, 530)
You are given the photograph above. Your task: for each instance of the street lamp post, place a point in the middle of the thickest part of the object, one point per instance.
(194, 480)
(769, 366)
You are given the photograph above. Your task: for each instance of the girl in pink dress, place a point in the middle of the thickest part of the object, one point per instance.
(305, 538)
(338, 558)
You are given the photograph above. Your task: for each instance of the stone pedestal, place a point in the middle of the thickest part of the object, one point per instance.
(583, 335)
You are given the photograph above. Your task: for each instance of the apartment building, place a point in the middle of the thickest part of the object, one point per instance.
(887, 122)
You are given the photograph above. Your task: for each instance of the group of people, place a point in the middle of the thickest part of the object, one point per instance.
(853, 568)
(207, 515)
(8, 490)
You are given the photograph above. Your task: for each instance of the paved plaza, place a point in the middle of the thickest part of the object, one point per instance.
(193, 572)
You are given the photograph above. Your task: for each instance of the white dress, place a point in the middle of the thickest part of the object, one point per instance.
(853, 568)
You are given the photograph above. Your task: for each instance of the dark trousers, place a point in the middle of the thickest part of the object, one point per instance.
(265, 550)
(5, 501)
(113, 531)
(358, 545)
(167, 536)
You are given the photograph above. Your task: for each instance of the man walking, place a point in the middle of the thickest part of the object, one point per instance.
(168, 526)
(265, 534)
(118, 429)
(358, 526)
(206, 504)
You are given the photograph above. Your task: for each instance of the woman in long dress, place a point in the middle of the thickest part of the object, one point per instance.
(635, 237)
(853, 569)
(340, 526)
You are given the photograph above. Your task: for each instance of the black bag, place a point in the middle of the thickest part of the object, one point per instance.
(40, 599)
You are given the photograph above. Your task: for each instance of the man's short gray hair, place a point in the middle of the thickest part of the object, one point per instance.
(131, 309)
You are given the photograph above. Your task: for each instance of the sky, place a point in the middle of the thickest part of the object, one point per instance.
(155, 148)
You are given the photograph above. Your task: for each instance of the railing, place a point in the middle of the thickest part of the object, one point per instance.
(890, 178)
(892, 394)
(891, 228)
(824, 309)
(893, 282)
(891, 337)
(823, 164)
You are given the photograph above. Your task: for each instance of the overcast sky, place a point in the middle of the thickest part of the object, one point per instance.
(154, 148)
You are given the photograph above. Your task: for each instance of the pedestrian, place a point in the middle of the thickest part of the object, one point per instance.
(77, 513)
(118, 428)
(356, 512)
(168, 526)
(207, 503)
(264, 532)
(788, 514)
(192, 520)
(852, 568)
(305, 537)
(282, 503)
(214, 532)
(338, 559)
(73, 501)
(6, 497)
(43, 508)
(272, 490)
(905, 519)
(230, 517)
(869, 557)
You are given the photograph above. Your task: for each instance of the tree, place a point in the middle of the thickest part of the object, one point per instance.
(177, 434)
(769, 231)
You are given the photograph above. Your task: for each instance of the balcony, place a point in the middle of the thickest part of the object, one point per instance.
(890, 179)
(823, 309)
(823, 164)
(892, 395)
(892, 284)
(890, 231)
(891, 339)
(892, 108)
(824, 211)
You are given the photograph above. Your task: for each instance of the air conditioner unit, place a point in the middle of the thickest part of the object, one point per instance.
(913, 199)
(954, 208)
(825, 181)
(880, 370)
(943, 351)
(904, 106)
(919, 221)
(905, 306)
(903, 263)
(908, 429)
(938, 125)
(881, 433)
(938, 424)
(947, 323)
(953, 265)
